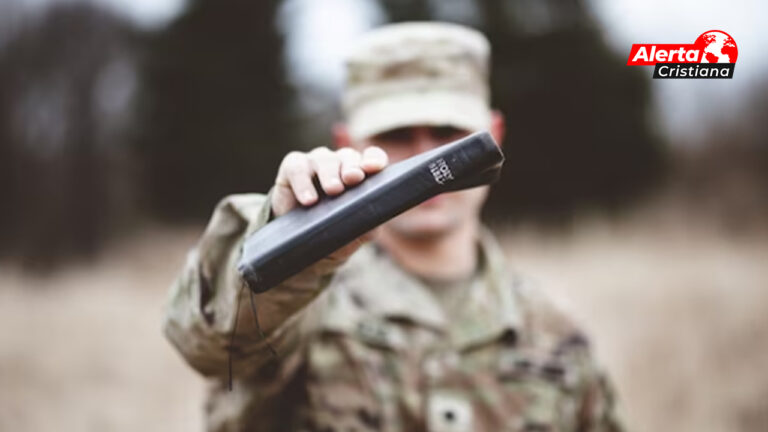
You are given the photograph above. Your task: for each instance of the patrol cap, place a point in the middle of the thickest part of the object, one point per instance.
(418, 73)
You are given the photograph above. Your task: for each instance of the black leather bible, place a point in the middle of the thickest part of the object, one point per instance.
(305, 235)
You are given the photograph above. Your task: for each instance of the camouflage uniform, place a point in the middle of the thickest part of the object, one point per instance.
(367, 347)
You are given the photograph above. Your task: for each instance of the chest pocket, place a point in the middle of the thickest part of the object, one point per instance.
(544, 386)
(352, 375)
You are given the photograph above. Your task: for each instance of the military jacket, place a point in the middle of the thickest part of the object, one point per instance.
(367, 347)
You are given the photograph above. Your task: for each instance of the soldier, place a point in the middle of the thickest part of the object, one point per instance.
(423, 328)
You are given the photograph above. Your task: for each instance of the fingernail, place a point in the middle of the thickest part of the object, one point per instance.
(353, 172)
(307, 197)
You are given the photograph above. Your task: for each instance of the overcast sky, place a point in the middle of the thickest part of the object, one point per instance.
(316, 48)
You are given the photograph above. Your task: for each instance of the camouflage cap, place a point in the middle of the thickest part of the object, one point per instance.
(417, 74)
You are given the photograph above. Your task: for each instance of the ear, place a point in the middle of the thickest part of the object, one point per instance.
(341, 135)
(498, 127)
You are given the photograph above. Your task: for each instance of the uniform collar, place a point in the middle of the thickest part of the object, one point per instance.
(491, 310)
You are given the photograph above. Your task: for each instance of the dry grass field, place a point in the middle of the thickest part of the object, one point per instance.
(678, 308)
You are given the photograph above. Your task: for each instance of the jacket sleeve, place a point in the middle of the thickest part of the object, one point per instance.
(599, 411)
(208, 298)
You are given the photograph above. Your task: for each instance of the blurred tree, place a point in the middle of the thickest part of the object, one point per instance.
(65, 87)
(577, 118)
(214, 106)
(408, 10)
(724, 177)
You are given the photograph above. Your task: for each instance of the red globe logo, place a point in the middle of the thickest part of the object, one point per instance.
(717, 47)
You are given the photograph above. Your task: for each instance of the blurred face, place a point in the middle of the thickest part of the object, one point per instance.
(439, 215)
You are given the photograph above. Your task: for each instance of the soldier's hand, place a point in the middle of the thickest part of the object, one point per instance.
(335, 171)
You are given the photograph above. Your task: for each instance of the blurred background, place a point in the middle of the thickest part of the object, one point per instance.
(641, 205)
